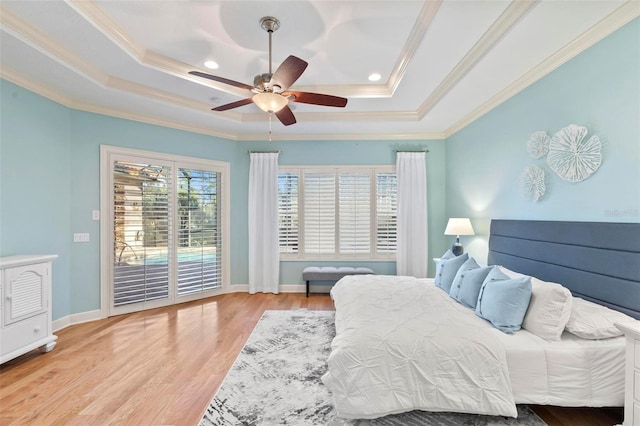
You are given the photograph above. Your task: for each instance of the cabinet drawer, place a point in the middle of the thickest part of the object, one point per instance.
(23, 333)
(636, 386)
(637, 353)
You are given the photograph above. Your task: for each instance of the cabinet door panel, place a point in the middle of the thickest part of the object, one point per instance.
(25, 292)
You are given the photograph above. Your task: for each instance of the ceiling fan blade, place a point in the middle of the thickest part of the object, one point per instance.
(235, 104)
(221, 80)
(285, 115)
(315, 99)
(288, 72)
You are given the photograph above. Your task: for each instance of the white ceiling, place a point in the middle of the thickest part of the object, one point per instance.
(443, 63)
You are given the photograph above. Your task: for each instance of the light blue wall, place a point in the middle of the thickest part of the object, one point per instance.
(599, 89)
(35, 170)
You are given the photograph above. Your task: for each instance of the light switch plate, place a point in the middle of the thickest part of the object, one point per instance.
(95, 214)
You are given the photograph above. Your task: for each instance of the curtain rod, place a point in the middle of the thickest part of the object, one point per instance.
(418, 150)
(263, 152)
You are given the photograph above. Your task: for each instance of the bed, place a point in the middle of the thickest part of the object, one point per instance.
(404, 343)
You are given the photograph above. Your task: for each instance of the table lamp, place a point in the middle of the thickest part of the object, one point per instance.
(458, 226)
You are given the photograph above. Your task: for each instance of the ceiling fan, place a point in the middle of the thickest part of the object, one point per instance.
(270, 89)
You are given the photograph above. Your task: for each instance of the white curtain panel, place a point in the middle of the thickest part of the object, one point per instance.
(264, 258)
(411, 256)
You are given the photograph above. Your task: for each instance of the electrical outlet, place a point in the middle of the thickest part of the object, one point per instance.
(81, 238)
(95, 215)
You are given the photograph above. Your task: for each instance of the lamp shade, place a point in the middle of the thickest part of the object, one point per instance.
(459, 226)
(270, 102)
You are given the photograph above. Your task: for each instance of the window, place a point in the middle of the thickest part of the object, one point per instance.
(166, 231)
(338, 213)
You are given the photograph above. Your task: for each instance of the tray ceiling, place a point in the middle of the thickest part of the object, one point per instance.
(442, 63)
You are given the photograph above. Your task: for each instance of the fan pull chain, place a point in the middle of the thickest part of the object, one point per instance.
(270, 115)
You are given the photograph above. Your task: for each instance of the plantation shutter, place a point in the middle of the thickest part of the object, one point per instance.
(355, 212)
(319, 212)
(288, 212)
(141, 194)
(342, 212)
(199, 250)
(386, 212)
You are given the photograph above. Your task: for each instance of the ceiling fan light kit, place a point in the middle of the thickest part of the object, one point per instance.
(270, 102)
(270, 89)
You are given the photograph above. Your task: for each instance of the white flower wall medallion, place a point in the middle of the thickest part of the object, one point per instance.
(532, 185)
(538, 144)
(572, 156)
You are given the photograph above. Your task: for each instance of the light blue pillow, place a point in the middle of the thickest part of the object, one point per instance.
(504, 302)
(470, 284)
(447, 255)
(455, 285)
(448, 270)
(496, 274)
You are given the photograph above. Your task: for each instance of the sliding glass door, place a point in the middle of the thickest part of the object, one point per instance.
(167, 232)
(141, 234)
(199, 240)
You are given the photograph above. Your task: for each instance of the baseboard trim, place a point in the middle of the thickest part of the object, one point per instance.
(73, 319)
(238, 288)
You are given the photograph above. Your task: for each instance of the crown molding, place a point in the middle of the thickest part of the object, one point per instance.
(418, 32)
(44, 91)
(614, 21)
(343, 137)
(512, 14)
(153, 93)
(95, 16)
(39, 41)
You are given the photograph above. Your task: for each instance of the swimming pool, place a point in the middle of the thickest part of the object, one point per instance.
(161, 258)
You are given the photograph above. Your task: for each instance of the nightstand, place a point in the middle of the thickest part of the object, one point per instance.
(632, 374)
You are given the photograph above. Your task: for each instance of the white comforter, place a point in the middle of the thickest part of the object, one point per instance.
(401, 345)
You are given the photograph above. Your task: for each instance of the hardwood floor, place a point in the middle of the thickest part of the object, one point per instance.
(161, 367)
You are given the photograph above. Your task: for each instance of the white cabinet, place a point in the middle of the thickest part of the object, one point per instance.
(25, 307)
(632, 374)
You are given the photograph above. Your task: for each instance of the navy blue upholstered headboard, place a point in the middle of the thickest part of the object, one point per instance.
(595, 260)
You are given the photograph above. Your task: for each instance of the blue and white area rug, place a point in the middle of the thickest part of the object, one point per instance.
(276, 381)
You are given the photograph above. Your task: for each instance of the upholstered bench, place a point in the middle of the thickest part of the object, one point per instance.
(331, 273)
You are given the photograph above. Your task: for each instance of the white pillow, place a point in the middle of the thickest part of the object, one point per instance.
(549, 310)
(510, 273)
(592, 321)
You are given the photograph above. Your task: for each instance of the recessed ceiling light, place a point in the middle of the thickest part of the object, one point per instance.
(212, 65)
(375, 77)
